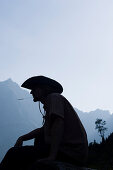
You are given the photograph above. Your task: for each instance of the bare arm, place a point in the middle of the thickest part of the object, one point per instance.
(28, 136)
(31, 134)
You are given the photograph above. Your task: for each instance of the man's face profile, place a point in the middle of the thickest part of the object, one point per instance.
(37, 94)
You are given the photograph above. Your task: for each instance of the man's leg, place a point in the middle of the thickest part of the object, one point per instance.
(22, 157)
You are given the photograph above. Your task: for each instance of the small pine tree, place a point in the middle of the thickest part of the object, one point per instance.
(100, 126)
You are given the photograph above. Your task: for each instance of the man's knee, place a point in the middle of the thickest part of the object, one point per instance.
(13, 151)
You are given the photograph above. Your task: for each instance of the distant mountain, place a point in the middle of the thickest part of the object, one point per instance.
(18, 117)
(88, 119)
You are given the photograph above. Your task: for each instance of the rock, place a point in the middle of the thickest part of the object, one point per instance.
(55, 165)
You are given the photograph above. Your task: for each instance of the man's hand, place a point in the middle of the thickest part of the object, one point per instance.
(19, 142)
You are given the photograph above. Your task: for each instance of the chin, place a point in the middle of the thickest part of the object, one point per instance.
(36, 99)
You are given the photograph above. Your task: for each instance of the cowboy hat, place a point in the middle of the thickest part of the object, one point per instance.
(38, 81)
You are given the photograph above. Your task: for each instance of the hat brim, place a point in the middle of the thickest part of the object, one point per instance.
(38, 81)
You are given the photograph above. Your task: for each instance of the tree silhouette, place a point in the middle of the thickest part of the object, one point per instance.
(100, 126)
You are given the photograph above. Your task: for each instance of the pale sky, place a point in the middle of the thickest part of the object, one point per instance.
(70, 41)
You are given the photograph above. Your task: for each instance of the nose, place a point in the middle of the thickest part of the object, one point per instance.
(31, 92)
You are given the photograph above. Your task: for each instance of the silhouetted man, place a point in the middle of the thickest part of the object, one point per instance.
(62, 136)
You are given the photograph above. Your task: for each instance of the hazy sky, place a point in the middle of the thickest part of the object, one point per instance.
(70, 41)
